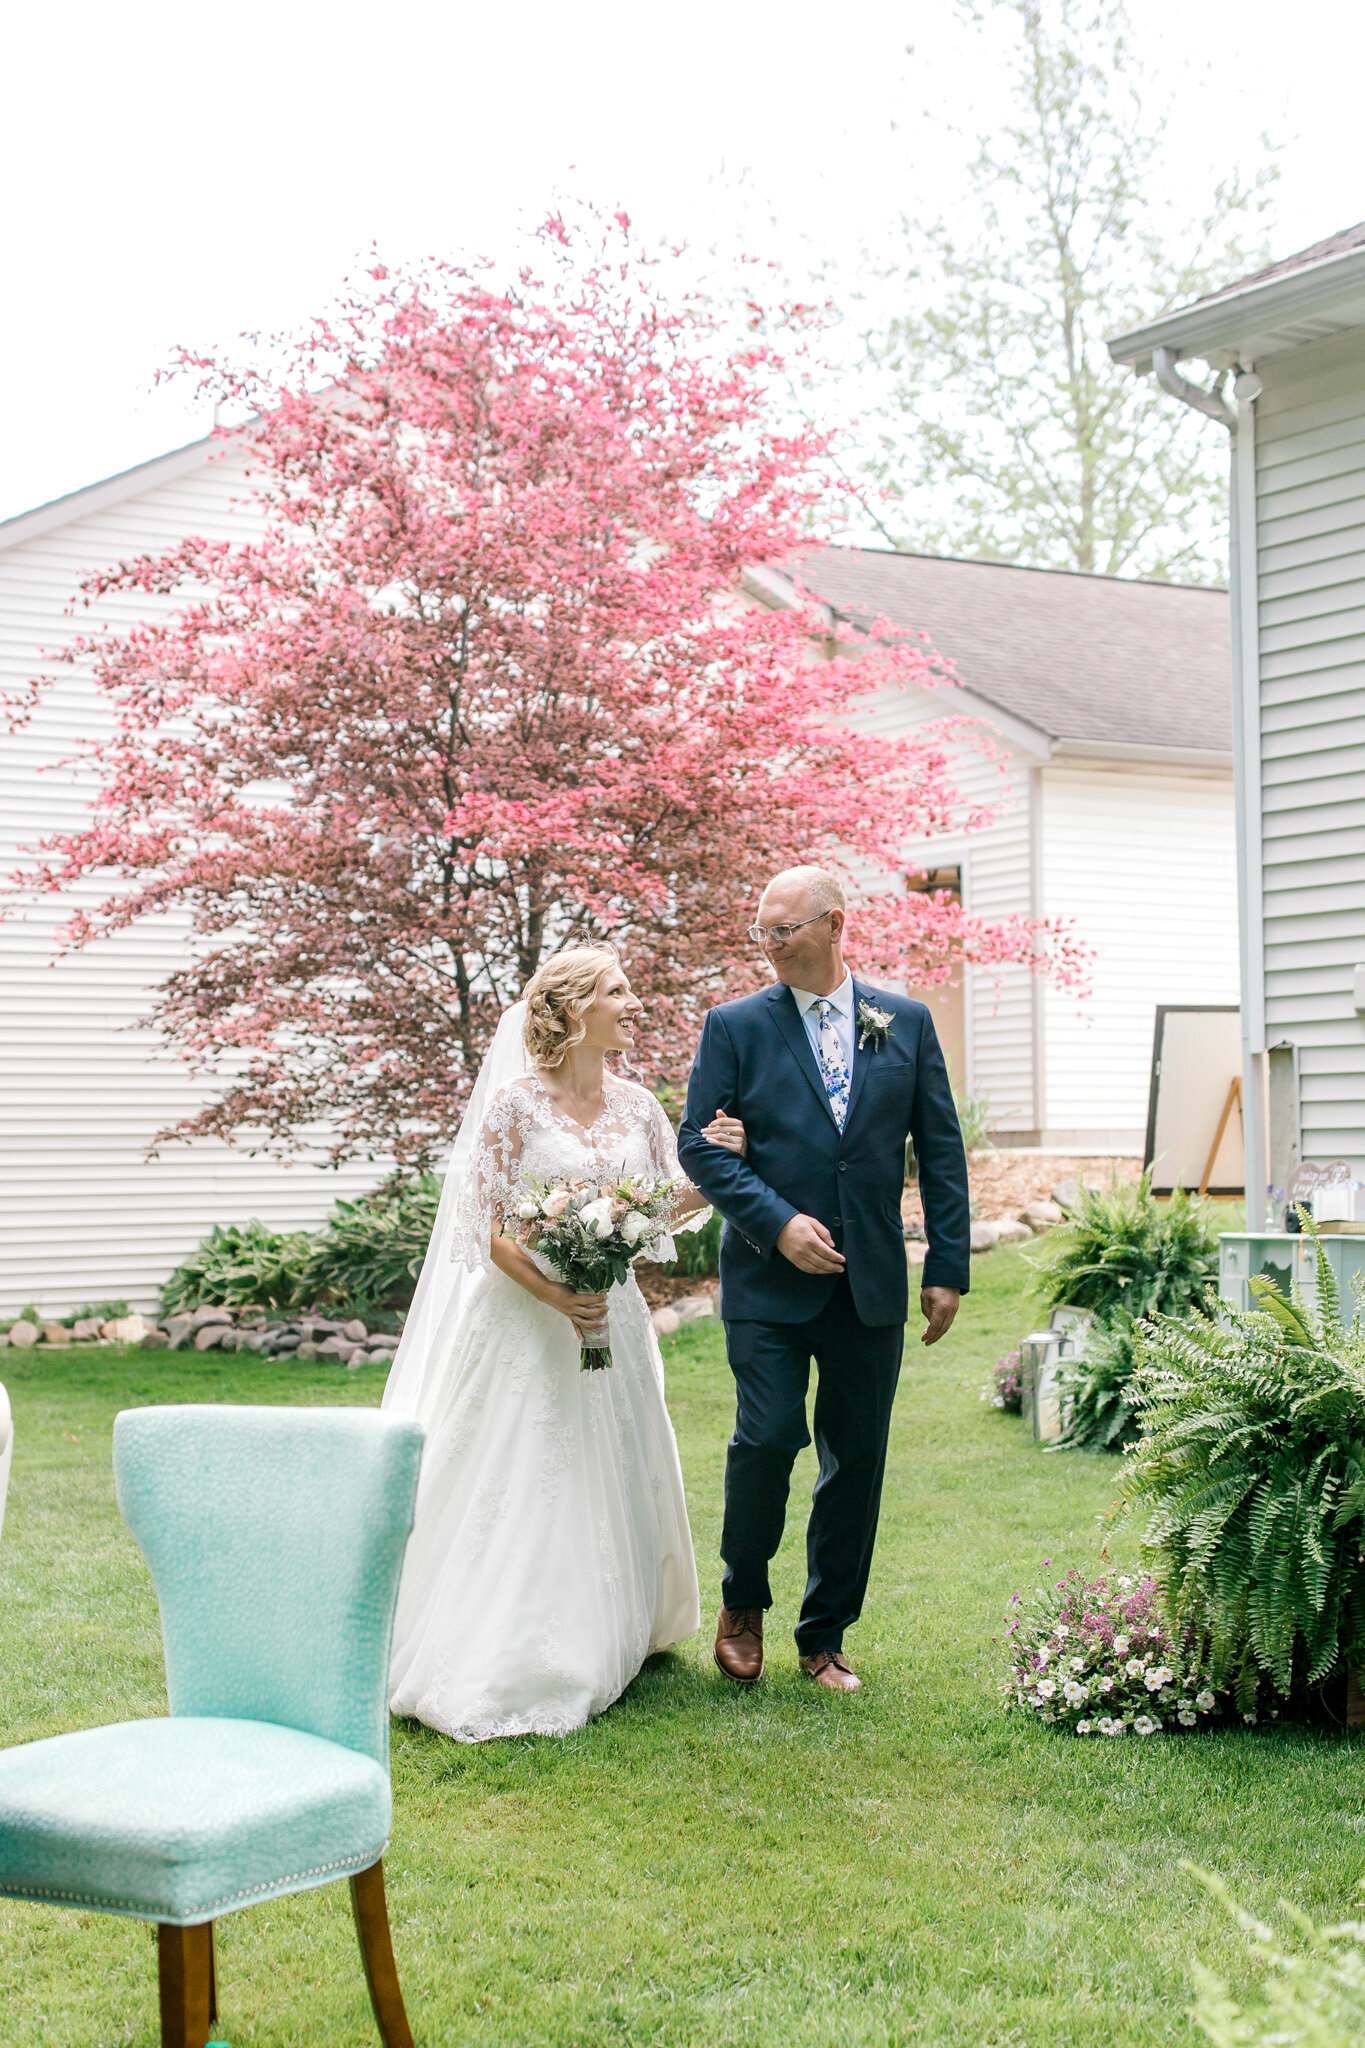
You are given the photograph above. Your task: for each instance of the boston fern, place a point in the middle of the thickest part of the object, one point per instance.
(1251, 1475)
(1102, 1415)
(1126, 1252)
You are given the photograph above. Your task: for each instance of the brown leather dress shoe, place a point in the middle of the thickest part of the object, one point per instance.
(739, 1643)
(831, 1669)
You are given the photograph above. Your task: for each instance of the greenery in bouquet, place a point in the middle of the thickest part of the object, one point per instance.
(1096, 1657)
(1005, 1387)
(592, 1232)
(1250, 1479)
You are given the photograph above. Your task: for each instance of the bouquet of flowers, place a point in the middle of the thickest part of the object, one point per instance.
(591, 1232)
(1095, 1656)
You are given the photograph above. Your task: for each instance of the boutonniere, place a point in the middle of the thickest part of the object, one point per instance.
(874, 1026)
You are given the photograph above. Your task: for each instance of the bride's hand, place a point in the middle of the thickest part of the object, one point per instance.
(727, 1131)
(585, 1311)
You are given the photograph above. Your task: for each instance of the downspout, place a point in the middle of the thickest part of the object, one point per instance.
(1246, 748)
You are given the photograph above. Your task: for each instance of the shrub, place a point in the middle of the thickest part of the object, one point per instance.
(1124, 1252)
(974, 1118)
(105, 1310)
(239, 1264)
(1096, 1389)
(1096, 1656)
(1251, 1475)
(371, 1250)
(1315, 1996)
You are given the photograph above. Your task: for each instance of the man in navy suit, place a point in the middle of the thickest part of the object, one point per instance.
(798, 1110)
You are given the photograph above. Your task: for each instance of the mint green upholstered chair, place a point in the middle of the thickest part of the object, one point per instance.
(275, 1537)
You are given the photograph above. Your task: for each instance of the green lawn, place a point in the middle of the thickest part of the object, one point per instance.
(703, 1866)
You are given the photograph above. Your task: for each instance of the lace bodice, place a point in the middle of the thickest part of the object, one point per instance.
(525, 1136)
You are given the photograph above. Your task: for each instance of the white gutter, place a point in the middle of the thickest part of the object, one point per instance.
(1246, 746)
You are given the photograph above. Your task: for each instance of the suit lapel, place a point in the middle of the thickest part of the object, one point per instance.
(861, 1059)
(789, 1022)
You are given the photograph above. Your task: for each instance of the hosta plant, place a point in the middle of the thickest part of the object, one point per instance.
(237, 1264)
(371, 1250)
(1096, 1657)
(1249, 1479)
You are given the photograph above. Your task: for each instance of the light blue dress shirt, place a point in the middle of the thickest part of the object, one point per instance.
(841, 1017)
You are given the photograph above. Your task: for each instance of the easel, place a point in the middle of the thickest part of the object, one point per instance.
(1234, 1096)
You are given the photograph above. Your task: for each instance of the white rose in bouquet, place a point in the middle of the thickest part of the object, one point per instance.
(556, 1203)
(528, 1209)
(634, 1226)
(596, 1217)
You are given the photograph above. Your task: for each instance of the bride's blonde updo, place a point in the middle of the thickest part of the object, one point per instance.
(556, 997)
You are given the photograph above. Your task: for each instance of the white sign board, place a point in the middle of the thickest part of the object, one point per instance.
(1196, 1060)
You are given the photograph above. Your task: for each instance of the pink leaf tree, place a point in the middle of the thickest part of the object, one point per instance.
(485, 684)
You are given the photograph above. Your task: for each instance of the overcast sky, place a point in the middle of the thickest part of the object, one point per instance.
(180, 173)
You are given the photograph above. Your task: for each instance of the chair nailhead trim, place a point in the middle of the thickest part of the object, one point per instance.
(37, 1891)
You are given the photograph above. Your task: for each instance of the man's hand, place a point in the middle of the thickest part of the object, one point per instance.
(939, 1306)
(810, 1248)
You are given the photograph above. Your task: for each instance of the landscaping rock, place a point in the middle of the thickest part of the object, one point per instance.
(230, 1340)
(23, 1333)
(202, 1317)
(984, 1236)
(355, 1330)
(85, 1328)
(1042, 1215)
(916, 1251)
(333, 1347)
(55, 1333)
(178, 1331)
(253, 1340)
(1012, 1233)
(210, 1337)
(315, 1328)
(125, 1329)
(666, 1321)
(155, 1340)
(306, 1352)
(355, 1361)
(694, 1308)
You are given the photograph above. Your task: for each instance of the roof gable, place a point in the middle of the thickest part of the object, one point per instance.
(1102, 660)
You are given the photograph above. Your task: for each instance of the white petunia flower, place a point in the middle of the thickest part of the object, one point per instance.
(1083, 1727)
(1046, 1688)
(1145, 1725)
(1078, 1663)
(1106, 1683)
(1135, 1667)
(1187, 1719)
(1205, 1701)
(1120, 1646)
(1076, 1695)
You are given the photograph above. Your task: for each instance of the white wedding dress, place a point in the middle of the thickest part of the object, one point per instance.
(551, 1552)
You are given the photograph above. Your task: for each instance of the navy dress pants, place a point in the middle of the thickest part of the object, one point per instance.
(858, 1366)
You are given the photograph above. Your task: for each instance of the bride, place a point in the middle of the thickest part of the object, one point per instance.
(551, 1552)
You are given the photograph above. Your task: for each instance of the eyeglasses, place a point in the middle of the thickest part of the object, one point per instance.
(780, 933)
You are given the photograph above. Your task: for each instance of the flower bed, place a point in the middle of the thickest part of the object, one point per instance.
(1095, 1657)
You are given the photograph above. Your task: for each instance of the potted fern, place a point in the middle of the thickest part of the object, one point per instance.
(1250, 1478)
(1124, 1256)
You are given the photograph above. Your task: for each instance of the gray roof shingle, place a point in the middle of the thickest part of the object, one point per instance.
(1339, 244)
(1080, 657)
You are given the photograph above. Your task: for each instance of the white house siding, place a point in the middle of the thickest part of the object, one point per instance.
(1146, 866)
(996, 867)
(83, 1217)
(1310, 484)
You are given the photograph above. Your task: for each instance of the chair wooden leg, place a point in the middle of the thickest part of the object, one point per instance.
(376, 1948)
(185, 1970)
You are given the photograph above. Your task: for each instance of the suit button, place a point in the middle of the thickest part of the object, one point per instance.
(843, 1166)
(837, 1224)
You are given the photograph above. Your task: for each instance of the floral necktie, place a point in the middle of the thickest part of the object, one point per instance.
(833, 1065)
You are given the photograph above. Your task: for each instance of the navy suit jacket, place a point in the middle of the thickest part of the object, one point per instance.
(756, 1061)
